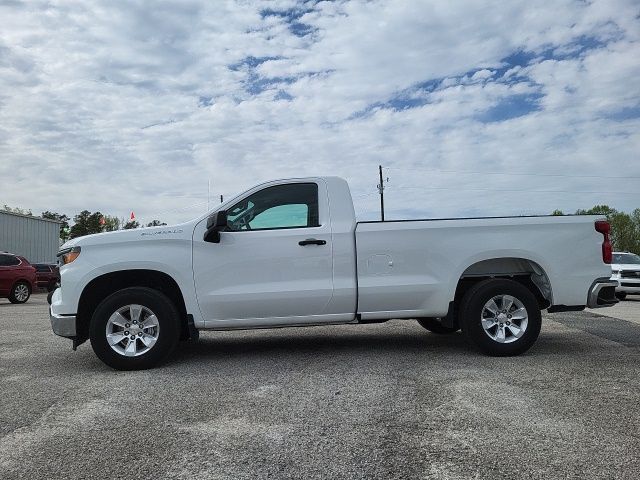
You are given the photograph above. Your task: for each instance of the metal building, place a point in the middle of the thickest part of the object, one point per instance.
(37, 239)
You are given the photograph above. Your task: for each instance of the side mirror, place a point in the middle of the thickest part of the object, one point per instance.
(215, 223)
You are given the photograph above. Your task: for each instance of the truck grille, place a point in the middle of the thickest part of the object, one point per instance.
(630, 274)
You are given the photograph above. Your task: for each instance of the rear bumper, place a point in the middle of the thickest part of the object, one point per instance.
(602, 293)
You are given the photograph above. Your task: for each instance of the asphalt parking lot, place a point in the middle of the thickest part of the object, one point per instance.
(370, 401)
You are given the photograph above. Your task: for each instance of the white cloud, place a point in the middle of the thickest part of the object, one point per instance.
(133, 106)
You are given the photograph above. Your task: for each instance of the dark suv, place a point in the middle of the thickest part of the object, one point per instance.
(47, 275)
(17, 278)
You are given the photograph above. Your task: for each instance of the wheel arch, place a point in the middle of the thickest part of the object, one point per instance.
(106, 284)
(23, 280)
(522, 270)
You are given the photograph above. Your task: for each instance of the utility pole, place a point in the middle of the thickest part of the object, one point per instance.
(381, 190)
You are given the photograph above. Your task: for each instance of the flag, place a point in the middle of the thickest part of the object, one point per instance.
(133, 216)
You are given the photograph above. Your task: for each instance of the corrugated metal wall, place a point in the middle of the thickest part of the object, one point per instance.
(34, 238)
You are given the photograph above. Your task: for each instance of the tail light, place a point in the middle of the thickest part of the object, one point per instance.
(604, 228)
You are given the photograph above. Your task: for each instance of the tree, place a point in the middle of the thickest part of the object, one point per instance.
(18, 210)
(111, 223)
(598, 210)
(625, 228)
(86, 223)
(557, 213)
(155, 223)
(131, 224)
(64, 226)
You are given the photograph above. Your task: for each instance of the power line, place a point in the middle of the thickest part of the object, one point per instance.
(630, 177)
(426, 188)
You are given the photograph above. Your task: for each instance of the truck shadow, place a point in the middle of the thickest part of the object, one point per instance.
(323, 344)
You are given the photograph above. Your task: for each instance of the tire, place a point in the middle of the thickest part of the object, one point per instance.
(52, 285)
(621, 295)
(435, 326)
(116, 315)
(520, 328)
(20, 292)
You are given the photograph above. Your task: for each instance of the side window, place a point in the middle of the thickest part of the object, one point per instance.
(8, 261)
(282, 206)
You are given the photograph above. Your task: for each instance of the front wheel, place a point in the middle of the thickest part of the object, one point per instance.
(134, 329)
(500, 317)
(20, 293)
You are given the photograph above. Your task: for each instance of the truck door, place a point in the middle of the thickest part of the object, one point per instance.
(273, 264)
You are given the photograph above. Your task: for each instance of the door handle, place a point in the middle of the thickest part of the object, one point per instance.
(312, 241)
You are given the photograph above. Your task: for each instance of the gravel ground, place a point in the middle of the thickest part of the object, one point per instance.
(368, 401)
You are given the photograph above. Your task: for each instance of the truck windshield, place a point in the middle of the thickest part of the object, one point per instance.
(628, 258)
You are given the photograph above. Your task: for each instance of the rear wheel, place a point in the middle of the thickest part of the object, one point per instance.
(500, 317)
(20, 293)
(435, 326)
(134, 329)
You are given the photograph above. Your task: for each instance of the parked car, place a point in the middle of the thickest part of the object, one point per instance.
(17, 278)
(625, 269)
(47, 275)
(290, 253)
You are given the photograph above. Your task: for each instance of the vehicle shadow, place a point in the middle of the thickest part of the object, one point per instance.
(352, 344)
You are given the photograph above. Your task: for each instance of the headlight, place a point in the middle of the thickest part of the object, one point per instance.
(68, 255)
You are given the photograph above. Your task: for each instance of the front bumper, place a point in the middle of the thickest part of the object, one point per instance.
(628, 285)
(63, 325)
(602, 293)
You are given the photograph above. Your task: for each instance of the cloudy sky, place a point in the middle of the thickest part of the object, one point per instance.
(472, 107)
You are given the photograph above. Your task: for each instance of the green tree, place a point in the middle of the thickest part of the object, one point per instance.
(86, 223)
(605, 210)
(131, 224)
(155, 223)
(557, 213)
(111, 223)
(625, 228)
(64, 226)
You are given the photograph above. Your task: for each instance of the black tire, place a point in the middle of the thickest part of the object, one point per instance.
(168, 332)
(621, 295)
(52, 285)
(471, 311)
(435, 326)
(16, 295)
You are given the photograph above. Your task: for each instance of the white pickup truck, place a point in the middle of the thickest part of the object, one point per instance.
(290, 253)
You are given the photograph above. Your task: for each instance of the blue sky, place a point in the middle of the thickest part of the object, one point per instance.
(473, 108)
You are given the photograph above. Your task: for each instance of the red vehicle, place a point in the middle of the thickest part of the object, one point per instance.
(47, 275)
(17, 278)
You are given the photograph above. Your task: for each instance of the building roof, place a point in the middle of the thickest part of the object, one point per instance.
(32, 217)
